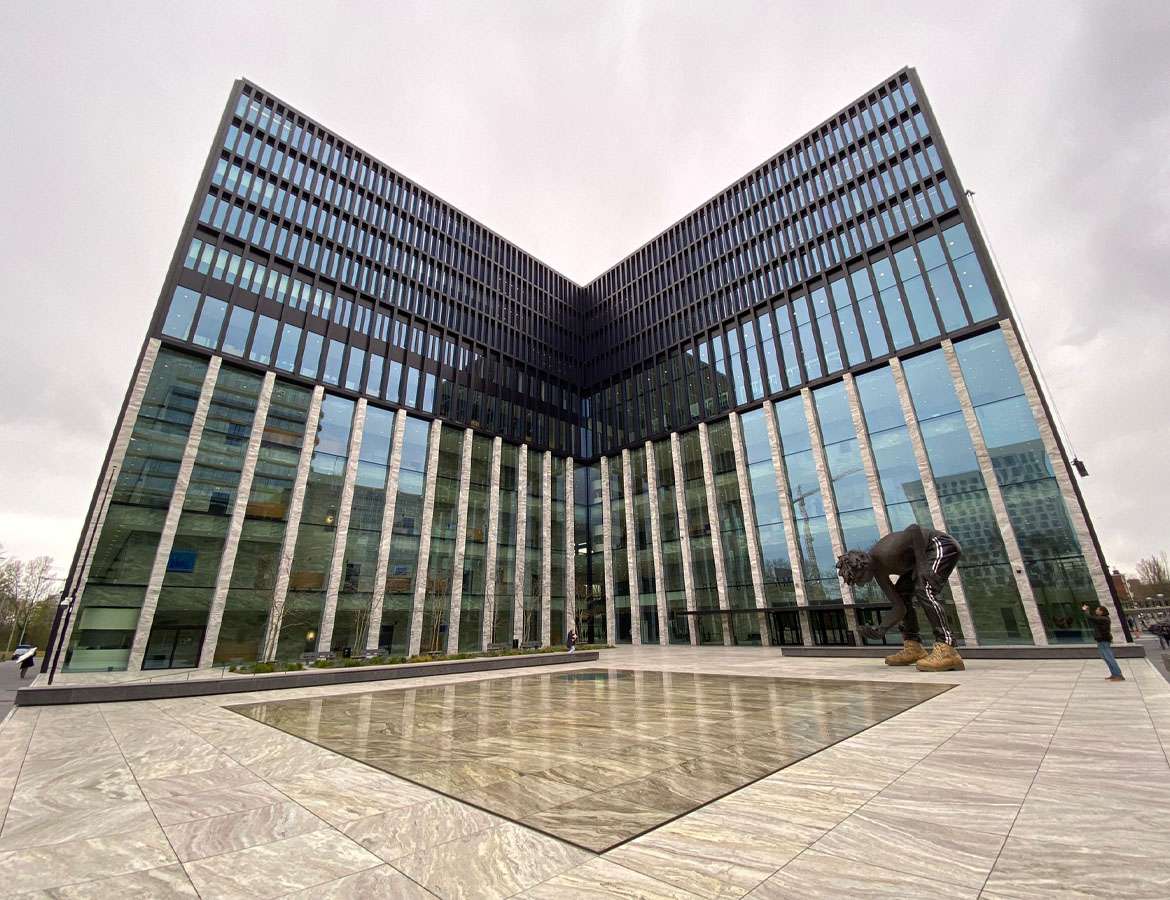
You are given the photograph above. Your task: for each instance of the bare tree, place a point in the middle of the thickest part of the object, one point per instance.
(26, 586)
(1154, 569)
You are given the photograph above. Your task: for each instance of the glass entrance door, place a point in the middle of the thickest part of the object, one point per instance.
(173, 648)
(784, 627)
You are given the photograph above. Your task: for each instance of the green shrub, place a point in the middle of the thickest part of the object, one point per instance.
(262, 668)
(294, 667)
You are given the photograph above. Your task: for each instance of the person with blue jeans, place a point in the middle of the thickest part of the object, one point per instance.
(1103, 635)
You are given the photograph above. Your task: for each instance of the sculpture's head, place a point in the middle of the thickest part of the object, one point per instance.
(855, 567)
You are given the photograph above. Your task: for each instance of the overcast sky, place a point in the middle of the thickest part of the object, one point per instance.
(579, 131)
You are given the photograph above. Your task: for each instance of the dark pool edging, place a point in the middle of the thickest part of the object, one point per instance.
(1052, 651)
(241, 684)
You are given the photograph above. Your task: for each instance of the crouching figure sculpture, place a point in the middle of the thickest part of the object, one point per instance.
(921, 559)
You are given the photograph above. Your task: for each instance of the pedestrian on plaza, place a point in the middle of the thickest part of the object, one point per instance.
(571, 641)
(26, 663)
(1103, 635)
(1162, 630)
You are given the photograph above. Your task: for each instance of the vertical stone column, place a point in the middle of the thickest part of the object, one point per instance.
(632, 551)
(117, 457)
(455, 609)
(493, 537)
(341, 532)
(109, 478)
(825, 481)
(684, 534)
(995, 495)
(930, 490)
(876, 498)
(716, 537)
(386, 538)
(791, 538)
(424, 540)
(570, 548)
(1072, 502)
(456, 613)
(546, 549)
(607, 553)
(656, 542)
(289, 544)
(751, 535)
(521, 541)
(166, 539)
(231, 544)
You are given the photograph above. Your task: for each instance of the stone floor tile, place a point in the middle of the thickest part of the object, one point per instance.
(32, 824)
(602, 879)
(1029, 869)
(235, 831)
(349, 791)
(379, 882)
(55, 865)
(401, 832)
(917, 846)
(164, 883)
(215, 802)
(820, 876)
(281, 867)
(496, 862)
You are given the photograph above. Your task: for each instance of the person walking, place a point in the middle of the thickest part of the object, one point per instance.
(571, 640)
(1103, 635)
(27, 662)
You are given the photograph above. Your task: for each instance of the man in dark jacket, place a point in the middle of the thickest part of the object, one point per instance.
(921, 559)
(1103, 635)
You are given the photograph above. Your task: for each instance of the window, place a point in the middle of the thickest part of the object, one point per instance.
(262, 341)
(181, 313)
(236, 337)
(210, 321)
(311, 358)
(286, 354)
(333, 362)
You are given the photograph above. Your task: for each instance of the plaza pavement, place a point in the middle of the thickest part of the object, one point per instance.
(1029, 779)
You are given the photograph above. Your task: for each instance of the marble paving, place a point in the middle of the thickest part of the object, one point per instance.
(1025, 779)
(592, 757)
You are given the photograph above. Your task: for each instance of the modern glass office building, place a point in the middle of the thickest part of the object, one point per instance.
(361, 420)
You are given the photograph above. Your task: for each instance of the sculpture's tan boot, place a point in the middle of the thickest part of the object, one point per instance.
(911, 652)
(942, 658)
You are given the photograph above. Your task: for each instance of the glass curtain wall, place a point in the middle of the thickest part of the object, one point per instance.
(1052, 554)
(437, 602)
(745, 627)
(505, 573)
(557, 609)
(125, 550)
(710, 627)
(475, 547)
(779, 585)
(249, 598)
(402, 564)
(847, 479)
(180, 619)
(619, 549)
(533, 544)
(644, 543)
(672, 559)
(818, 561)
(591, 619)
(354, 598)
(988, 581)
(309, 575)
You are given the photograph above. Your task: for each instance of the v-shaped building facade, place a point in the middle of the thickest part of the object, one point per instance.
(362, 421)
